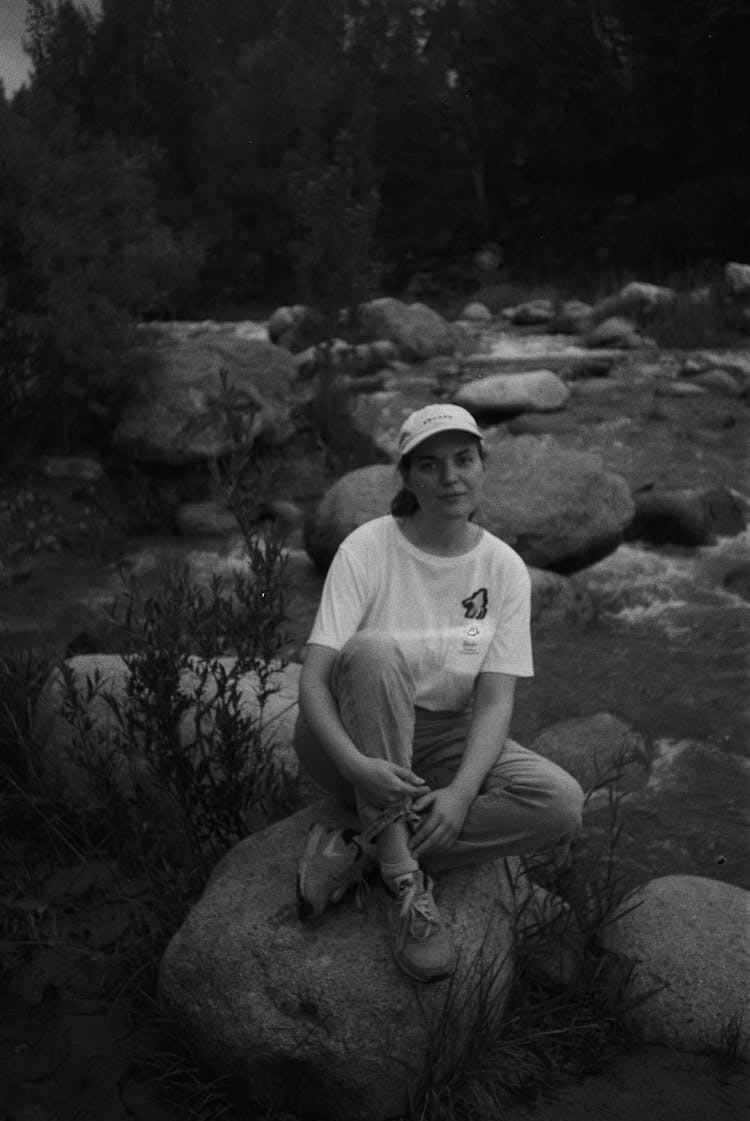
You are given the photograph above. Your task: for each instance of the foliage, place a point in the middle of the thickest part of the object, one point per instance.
(335, 212)
(522, 122)
(83, 255)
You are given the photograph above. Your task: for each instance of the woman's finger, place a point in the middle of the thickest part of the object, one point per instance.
(424, 800)
(408, 775)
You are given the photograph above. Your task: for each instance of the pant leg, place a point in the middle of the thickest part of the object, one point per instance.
(374, 691)
(526, 803)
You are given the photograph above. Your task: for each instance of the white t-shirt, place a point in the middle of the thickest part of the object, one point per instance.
(453, 617)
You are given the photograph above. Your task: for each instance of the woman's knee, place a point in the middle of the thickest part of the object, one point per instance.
(565, 807)
(371, 649)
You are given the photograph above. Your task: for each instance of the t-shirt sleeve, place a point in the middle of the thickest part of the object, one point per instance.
(343, 601)
(510, 648)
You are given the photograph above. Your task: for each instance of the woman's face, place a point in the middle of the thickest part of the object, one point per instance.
(446, 473)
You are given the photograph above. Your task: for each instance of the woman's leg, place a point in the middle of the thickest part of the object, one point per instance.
(374, 690)
(526, 804)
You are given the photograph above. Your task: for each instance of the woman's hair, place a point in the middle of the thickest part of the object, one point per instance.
(405, 501)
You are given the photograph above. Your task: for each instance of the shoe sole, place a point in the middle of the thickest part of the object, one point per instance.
(305, 909)
(442, 976)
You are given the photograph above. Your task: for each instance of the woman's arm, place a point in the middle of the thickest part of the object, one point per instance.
(378, 781)
(488, 731)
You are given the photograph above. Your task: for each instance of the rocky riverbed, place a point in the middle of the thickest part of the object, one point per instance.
(655, 633)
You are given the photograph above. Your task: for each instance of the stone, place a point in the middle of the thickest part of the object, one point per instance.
(558, 508)
(589, 366)
(177, 416)
(489, 258)
(689, 940)
(378, 417)
(597, 750)
(679, 388)
(615, 331)
(719, 381)
(531, 313)
(558, 601)
(637, 300)
(416, 330)
(126, 764)
(737, 279)
(686, 516)
(573, 317)
(501, 395)
(356, 498)
(205, 519)
(282, 320)
(476, 313)
(316, 1017)
(73, 468)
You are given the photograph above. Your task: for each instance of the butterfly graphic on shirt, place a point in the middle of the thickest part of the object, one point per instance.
(475, 605)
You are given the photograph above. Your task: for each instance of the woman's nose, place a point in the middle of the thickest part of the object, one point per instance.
(449, 474)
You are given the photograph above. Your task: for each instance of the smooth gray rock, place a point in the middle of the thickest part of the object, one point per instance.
(558, 508)
(689, 939)
(687, 516)
(417, 331)
(356, 498)
(573, 317)
(502, 395)
(177, 417)
(614, 332)
(597, 750)
(317, 1018)
(737, 279)
(531, 313)
(477, 313)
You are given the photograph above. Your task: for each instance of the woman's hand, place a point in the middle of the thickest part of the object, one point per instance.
(385, 784)
(441, 826)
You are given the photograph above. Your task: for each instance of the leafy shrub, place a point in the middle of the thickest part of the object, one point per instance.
(83, 256)
(185, 743)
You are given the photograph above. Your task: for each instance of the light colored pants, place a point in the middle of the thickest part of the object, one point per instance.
(526, 803)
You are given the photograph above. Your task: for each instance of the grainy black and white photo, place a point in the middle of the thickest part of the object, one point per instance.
(374, 560)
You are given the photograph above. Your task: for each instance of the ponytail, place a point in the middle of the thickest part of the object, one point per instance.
(404, 503)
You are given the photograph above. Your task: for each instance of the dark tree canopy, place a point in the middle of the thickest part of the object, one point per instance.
(574, 132)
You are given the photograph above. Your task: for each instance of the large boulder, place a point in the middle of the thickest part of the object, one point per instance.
(356, 498)
(688, 939)
(599, 751)
(531, 313)
(104, 678)
(687, 516)
(317, 1018)
(559, 509)
(177, 416)
(502, 395)
(417, 331)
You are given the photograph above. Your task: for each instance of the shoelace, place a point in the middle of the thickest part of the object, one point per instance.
(418, 907)
(402, 811)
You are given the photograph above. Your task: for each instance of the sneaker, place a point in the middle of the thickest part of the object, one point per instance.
(333, 861)
(421, 943)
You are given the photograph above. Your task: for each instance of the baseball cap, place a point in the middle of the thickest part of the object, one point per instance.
(432, 419)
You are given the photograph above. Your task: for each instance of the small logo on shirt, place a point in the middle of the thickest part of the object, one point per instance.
(475, 605)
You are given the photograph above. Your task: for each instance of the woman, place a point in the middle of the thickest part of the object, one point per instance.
(406, 697)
